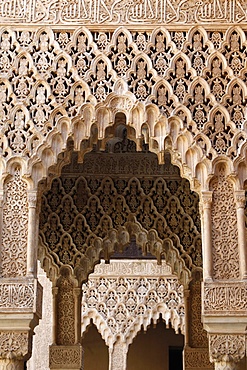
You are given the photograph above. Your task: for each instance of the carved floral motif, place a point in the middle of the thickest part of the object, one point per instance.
(16, 343)
(224, 230)
(80, 211)
(195, 356)
(121, 304)
(15, 228)
(226, 347)
(46, 75)
(69, 357)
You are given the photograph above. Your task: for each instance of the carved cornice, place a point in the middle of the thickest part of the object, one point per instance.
(226, 347)
(115, 13)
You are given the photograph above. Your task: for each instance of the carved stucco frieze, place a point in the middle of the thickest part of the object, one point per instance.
(15, 228)
(115, 13)
(121, 304)
(66, 357)
(228, 299)
(227, 347)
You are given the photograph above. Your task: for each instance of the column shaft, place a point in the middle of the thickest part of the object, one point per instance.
(207, 236)
(240, 204)
(118, 356)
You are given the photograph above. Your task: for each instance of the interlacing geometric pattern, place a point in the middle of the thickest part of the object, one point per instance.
(84, 207)
(198, 76)
(120, 305)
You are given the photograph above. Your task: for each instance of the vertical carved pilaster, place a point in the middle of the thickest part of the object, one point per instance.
(224, 229)
(206, 204)
(15, 227)
(66, 351)
(118, 356)
(240, 205)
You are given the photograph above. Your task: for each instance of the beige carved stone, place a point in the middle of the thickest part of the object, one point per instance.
(176, 71)
(197, 358)
(124, 296)
(227, 348)
(66, 357)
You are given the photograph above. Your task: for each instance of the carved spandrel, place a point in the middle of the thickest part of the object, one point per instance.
(114, 12)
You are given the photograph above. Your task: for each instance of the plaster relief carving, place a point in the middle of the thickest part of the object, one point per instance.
(121, 304)
(226, 348)
(67, 357)
(230, 298)
(197, 356)
(113, 12)
(14, 343)
(15, 228)
(73, 227)
(49, 76)
(224, 229)
(16, 295)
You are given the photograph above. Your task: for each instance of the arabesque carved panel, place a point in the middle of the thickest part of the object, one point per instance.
(85, 203)
(227, 298)
(121, 304)
(67, 357)
(51, 75)
(224, 229)
(15, 228)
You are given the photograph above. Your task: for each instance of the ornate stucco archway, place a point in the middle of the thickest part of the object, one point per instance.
(181, 88)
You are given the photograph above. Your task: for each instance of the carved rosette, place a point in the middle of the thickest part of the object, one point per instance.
(226, 347)
(66, 357)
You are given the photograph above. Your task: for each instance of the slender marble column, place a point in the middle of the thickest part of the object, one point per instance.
(54, 314)
(32, 233)
(187, 319)
(240, 204)
(118, 356)
(206, 204)
(77, 296)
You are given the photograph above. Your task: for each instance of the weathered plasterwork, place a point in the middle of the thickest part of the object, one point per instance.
(115, 12)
